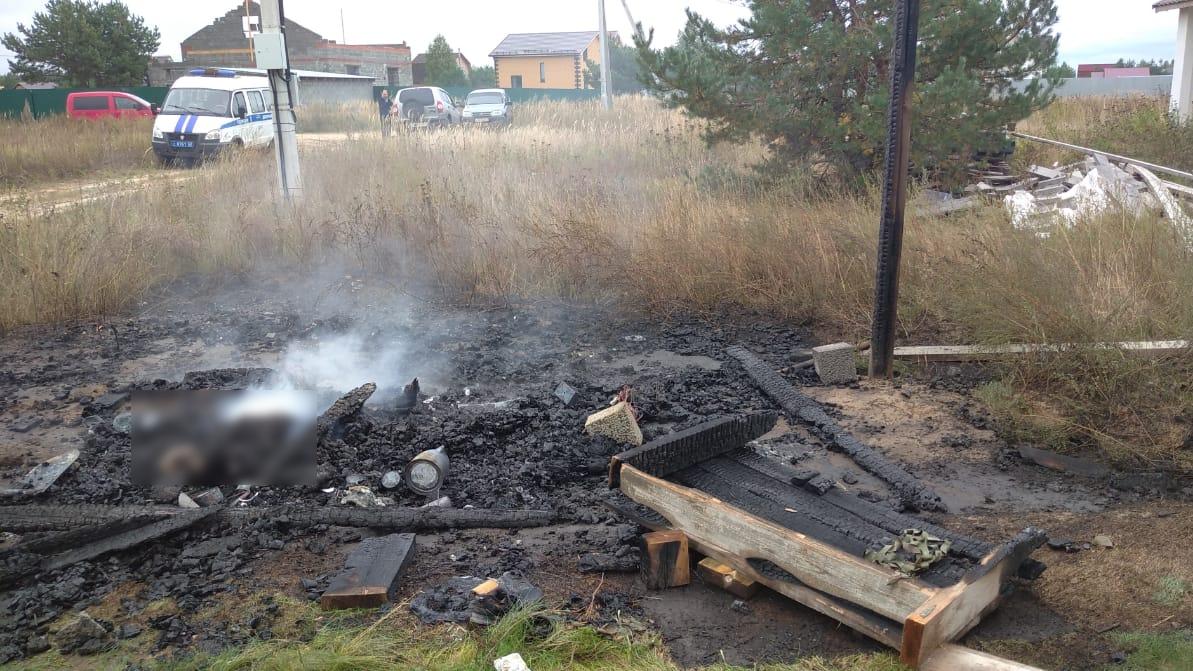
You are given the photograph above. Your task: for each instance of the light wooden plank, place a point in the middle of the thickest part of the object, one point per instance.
(990, 352)
(708, 520)
(951, 657)
(881, 629)
(955, 610)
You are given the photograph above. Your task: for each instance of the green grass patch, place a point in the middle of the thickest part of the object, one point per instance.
(397, 642)
(1172, 651)
(1171, 591)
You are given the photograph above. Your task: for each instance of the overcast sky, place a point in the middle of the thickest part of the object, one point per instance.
(1092, 31)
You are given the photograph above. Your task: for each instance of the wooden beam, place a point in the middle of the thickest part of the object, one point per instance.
(955, 610)
(926, 353)
(952, 657)
(710, 521)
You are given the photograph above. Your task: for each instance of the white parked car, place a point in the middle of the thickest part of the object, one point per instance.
(211, 110)
(488, 106)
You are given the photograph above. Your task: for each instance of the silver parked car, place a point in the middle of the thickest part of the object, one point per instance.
(488, 106)
(426, 106)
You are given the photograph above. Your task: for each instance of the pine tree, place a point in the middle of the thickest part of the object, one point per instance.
(483, 77)
(627, 77)
(83, 43)
(812, 77)
(442, 68)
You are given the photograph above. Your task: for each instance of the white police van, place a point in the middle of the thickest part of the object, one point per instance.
(210, 110)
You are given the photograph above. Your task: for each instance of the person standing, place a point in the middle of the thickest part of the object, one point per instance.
(384, 106)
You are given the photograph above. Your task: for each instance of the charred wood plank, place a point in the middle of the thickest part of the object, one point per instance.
(346, 406)
(883, 517)
(806, 410)
(790, 497)
(370, 573)
(26, 518)
(674, 452)
(128, 539)
(60, 542)
(738, 495)
(41, 518)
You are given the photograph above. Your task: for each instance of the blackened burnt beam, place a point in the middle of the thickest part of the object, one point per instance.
(346, 406)
(27, 518)
(676, 451)
(807, 411)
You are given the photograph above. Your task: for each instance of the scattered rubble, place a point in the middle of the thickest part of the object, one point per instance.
(511, 662)
(362, 496)
(457, 600)
(82, 636)
(42, 476)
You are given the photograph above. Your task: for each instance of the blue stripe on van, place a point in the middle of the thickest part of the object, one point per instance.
(178, 126)
(190, 125)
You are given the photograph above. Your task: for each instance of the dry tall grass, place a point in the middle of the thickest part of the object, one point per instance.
(1136, 126)
(632, 206)
(58, 147)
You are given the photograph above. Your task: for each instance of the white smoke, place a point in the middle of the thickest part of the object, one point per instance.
(342, 363)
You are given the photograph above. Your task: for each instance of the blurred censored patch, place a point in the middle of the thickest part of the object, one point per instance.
(214, 438)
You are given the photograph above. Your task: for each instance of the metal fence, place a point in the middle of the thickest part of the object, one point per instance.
(515, 95)
(1157, 85)
(46, 102)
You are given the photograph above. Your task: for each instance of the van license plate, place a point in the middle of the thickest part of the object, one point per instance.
(482, 119)
(182, 144)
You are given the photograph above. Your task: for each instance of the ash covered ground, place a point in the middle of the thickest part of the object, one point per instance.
(64, 386)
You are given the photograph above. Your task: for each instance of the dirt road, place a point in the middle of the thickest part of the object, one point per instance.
(45, 198)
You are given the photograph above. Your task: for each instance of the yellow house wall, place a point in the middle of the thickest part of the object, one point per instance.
(560, 70)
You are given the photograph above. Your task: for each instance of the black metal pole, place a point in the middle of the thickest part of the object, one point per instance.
(894, 189)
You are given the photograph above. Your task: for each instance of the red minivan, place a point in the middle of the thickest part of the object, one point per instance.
(100, 104)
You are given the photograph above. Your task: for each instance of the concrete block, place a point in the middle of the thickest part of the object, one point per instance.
(617, 422)
(836, 363)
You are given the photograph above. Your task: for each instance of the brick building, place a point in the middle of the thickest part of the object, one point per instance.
(419, 68)
(223, 44)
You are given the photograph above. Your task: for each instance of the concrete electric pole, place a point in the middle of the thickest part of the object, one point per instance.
(606, 67)
(270, 51)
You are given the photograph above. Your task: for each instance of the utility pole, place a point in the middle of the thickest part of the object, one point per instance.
(606, 70)
(894, 190)
(271, 55)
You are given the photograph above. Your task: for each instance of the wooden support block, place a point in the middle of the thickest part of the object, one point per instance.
(486, 589)
(370, 573)
(665, 559)
(713, 572)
